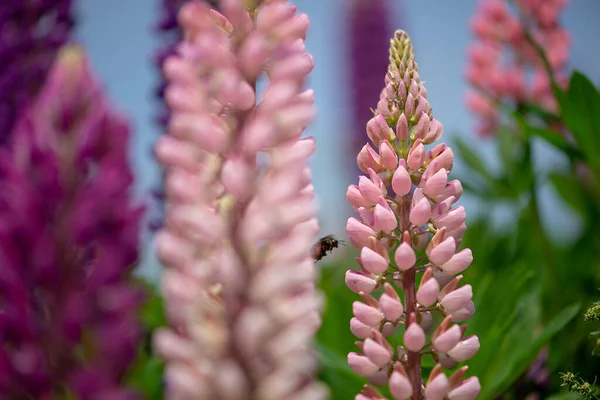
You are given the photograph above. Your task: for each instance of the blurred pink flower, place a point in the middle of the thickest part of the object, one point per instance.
(239, 281)
(504, 67)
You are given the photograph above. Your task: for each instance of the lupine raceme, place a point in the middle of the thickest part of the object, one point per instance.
(68, 241)
(408, 234)
(240, 216)
(504, 66)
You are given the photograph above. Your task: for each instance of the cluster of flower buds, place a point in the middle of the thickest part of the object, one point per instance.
(502, 58)
(408, 235)
(240, 216)
(69, 240)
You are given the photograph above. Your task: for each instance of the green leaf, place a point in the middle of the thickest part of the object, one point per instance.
(570, 191)
(147, 377)
(471, 159)
(564, 396)
(528, 352)
(580, 110)
(553, 138)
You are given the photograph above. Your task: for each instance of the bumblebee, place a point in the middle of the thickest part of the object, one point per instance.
(324, 246)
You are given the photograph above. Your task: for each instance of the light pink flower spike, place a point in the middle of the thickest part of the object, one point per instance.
(227, 218)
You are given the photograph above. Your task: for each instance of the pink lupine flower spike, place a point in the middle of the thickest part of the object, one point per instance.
(408, 234)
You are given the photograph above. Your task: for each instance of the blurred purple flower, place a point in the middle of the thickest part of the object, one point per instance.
(369, 40)
(31, 32)
(68, 240)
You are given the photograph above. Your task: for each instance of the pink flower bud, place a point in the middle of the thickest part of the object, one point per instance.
(428, 292)
(173, 250)
(253, 54)
(401, 183)
(437, 388)
(236, 178)
(388, 329)
(422, 127)
(366, 314)
(258, 133)
(468, 390)
(426, 320)
(435, 184)
(435, 132)
(402, 128)
(355, 197)
(436, 151)
(358, 233)
(373, 261)
(447, 340)
(421, 212)
(379, 378)
(389, 157)
(457, 299)
(384, 218)
(359, 329)
(409, 107)
(361, 365)
(458, 233)
(453, 188)
(416, 156)
(414, 337)
(423, 107)
(442, 208)
(368, 393)
(368, 158)
(391, 307)
(445, 159)
(378, 129)
(458, 263)
(367, 216)
(405, 257)
(443, 252)
(293, 68)
(208, 132)
(453, 219)
(464, 313)
(446, 361)
(369, 190)
(465, 349)
(443, 278)
(400, 386)
(359, 282)
(377, 353)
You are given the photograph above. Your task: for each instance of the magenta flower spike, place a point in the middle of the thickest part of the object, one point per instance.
(69, 239)
(31, 34)
(503, 66)
(240, 217)
(413, 259)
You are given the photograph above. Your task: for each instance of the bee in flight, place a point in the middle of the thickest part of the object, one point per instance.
(324, 246)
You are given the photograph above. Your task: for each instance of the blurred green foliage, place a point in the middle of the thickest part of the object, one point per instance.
(146, 376)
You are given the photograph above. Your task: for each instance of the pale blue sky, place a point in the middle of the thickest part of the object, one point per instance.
(119, 39)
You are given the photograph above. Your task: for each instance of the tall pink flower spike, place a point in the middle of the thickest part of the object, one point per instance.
(408, 233)
(239, 281)
(501, 59)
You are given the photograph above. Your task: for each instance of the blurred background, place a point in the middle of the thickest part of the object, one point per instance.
(119, 38)
(532, 222)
